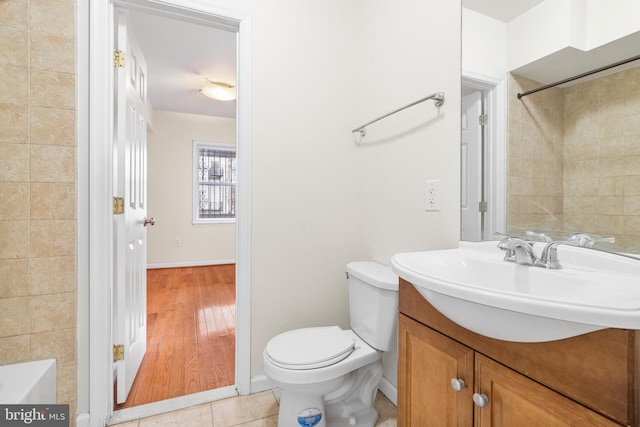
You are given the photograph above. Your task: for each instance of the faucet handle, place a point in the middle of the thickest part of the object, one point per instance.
(518, 250)
(587, 241)
(503, 245)
(542, 236)
(501, 235)
(580, 239)
(549, 256)
(591, 242)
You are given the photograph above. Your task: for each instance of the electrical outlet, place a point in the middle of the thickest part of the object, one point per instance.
(433, 195)
(177, 242)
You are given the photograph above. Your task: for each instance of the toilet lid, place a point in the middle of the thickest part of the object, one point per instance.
(310, 348)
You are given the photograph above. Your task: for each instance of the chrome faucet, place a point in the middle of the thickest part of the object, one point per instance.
(549, 256)
(521, 252)
(518, 251)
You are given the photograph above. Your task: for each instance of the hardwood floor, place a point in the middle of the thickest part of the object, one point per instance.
(190, 333)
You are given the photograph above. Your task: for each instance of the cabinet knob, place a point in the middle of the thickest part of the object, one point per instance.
(480, 399)
(457, 384)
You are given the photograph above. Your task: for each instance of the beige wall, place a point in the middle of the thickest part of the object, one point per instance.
(574, 158)
(170, 192)
(422, 143)
(304, 191)
(484, 45)
(400, 153)
(38, 186)
(319, 200)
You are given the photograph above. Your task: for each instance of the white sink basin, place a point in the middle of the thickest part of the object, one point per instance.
(473, 286)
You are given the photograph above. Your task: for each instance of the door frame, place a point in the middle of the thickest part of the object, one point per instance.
(472, 160)
(495, 166)
(95, 192)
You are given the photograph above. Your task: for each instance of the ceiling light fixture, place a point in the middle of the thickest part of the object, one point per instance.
(218, 90)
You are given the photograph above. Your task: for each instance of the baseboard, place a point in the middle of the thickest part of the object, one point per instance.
(189, 264)
(389, 390)
(260, 383)
(82, 420)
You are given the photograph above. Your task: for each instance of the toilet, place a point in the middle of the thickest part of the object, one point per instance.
(327, 376)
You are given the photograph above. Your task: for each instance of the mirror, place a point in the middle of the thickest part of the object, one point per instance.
(571, 154)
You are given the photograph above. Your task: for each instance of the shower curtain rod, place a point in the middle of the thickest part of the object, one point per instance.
(438, 97)
(579, 76)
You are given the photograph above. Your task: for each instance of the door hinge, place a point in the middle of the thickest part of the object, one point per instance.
(118, 58)
(482, 207)
(482, 119)
(118, 352)
(118, 205)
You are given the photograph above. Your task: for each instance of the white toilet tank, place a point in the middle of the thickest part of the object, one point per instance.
(373, 303)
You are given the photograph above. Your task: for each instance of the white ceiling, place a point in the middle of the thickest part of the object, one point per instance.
(503, 10)
(179, 56)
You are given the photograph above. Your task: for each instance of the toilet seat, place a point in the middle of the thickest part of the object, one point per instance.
(361, 355)
(310, 348)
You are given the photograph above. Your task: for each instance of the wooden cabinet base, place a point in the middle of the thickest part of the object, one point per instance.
(430, 361)
(592, 376)
(515, 400)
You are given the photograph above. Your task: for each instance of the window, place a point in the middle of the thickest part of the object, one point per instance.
(215, 173)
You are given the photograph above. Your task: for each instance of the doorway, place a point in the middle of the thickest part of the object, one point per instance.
(490, 92)
(97, 23)
(188, 350)
(472, 150)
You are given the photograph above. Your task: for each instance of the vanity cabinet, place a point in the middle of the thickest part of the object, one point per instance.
(428, 361)
(516, 400)
(587, 380)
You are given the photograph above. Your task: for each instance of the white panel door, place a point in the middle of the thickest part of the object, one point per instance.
(130, 163)
(471, 168)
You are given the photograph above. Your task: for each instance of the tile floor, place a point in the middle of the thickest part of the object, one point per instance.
(256, 410)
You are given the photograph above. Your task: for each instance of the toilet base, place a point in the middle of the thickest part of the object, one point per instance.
(348, 404)
(307, 411)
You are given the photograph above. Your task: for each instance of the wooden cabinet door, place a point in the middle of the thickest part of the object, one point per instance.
(427, 363)
(514, 400)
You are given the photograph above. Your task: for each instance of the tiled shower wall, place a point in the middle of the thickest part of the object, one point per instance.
(596, 126)
(602, 158)
(38, 186)
(535, 153)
